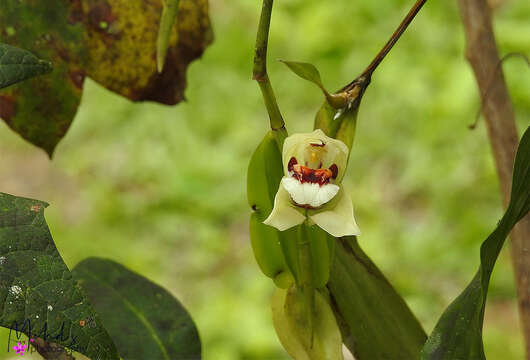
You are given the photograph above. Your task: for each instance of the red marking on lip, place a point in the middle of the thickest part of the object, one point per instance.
(292, 162)
(335, 171)
(315, 176)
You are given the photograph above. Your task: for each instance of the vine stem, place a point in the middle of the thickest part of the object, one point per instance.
(260, 71)
(364, 79)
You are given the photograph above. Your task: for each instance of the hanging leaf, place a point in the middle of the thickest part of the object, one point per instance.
(39, 296)
(121, 36)
(458, 333)
(110, 41)
(375, 321)
(144, 320)
(17, 65)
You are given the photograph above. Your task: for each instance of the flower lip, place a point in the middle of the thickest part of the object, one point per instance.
(309, 195)
(305, 174)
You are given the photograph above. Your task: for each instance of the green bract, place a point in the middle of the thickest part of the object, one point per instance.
(314, 165)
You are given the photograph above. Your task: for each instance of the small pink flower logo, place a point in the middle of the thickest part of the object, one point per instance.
(20, 348)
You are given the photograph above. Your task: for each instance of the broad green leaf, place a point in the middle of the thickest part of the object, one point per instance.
(113, 42)
(144, 320)
(18, 64)
(39, 296)
(375, 321)
(169, 13)
(458, 333)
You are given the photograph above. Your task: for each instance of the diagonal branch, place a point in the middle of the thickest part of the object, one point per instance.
(366, 75)
(498, 112)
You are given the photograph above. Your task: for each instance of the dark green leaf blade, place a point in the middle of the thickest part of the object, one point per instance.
(144, 320)
(17, 65)
(375, 321)
(458, 333)
(36, 288)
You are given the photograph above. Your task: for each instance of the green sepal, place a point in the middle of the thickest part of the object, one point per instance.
(348, 125)
(338, 123)
(324, 120)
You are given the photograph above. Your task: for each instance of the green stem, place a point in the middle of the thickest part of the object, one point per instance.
(260, 71)
(364, 79)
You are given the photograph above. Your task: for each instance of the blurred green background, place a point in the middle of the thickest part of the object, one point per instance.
(162, 189)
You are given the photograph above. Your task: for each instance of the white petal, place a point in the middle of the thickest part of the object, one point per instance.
(284, 215)
(339, 220)
(311, 194)
(326, 193)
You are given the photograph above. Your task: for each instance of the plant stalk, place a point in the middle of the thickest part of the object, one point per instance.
(260, 71)
(364, 79)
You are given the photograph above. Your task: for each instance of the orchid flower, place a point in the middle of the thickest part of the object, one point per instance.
(314, 165)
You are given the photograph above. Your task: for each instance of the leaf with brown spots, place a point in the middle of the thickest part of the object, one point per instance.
(111, 41)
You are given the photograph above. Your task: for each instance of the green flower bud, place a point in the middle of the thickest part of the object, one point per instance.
(322, 341)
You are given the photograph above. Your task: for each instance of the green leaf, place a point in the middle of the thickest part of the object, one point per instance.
(309, 72)
(17, 65)
(458, 333)
(114, 42)
(375, 321)
(306, 71)
(144, 320)
(38, 294)
(167, 20)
